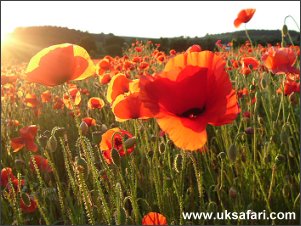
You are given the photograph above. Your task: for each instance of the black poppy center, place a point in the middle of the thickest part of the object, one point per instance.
(193, 113)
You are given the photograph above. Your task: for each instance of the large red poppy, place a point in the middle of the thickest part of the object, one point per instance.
(58, 64)
(26, 139)
(193, 90)
(280, 60)
(244, 16)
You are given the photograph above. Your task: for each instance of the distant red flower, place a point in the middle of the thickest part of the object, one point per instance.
(26, 139)
(8, 79)
(31, 100)
(153, 218)
(42, 164)
(244, 16)
(290, 87)
(75, 96)
(280, 60)
(106, 144)
(194, 48)
(46, 96)
(89, 121)
(95, 103)
(6, 175)
(58, 64)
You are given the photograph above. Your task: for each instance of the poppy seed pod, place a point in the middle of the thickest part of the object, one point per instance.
(130, 142)
(232, 153)
(284, 30)
(51, 144)
(84, 128)
(232, 192)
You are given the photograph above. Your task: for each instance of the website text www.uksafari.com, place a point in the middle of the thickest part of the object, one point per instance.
(247, 215)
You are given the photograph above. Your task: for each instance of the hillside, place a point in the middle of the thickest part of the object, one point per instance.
(29, 40)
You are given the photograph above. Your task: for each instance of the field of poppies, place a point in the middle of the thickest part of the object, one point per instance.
(144, 137)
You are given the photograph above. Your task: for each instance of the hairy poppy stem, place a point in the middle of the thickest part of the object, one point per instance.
(289, 16)
(247, 34)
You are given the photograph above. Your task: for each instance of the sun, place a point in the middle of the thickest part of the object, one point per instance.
(5, 35)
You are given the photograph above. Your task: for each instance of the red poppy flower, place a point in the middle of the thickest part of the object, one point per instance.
(280, 60)
(106, 143)
(46, 96)
(290, 87)
(193, 90)
(244, 16)
(75, 96)
(105, 78)
(95, 103)
(194, 48)
(6, 173)
(118, 85)
(89, 121)
(153, 218)
(42, 164)
(31, 100)
(32, 207)
(58, 64)
(26, 139)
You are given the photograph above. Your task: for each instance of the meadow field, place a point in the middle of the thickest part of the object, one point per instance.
(144, 137)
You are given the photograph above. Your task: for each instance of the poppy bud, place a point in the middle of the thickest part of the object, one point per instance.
(26, 199)
(103, 128)
(80, 163)
(84, 128)
(150, 154)
(51, 144)
(162, 147)
(279, 159)
(212, 207)
(221, 155)
(130, 142)
(232, 192)
(232, 153)
(249, 130)
(178, 163)
(286, 191)
(284, 30)
(96, 137)
(43, 140)
(115, 157)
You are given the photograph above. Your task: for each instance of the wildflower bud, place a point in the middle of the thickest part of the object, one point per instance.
(103, 128)
(60, 131)
(232, 153)
(232, 192)
(80, 163)
(249, 130)
(286, 191)
(130, 142)
(51, 144)
(221, 155)
(84, 128)
(162, 147)
(212, 207)
(279, 159)
(170, 144)
(178, 163)
(284, 30)
(150, 154)
(292, 154)
(115, 157)
(43, 140)
(284, 135)
(96, 137)
(26, 199)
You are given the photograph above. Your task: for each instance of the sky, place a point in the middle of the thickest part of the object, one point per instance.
(151, 19)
